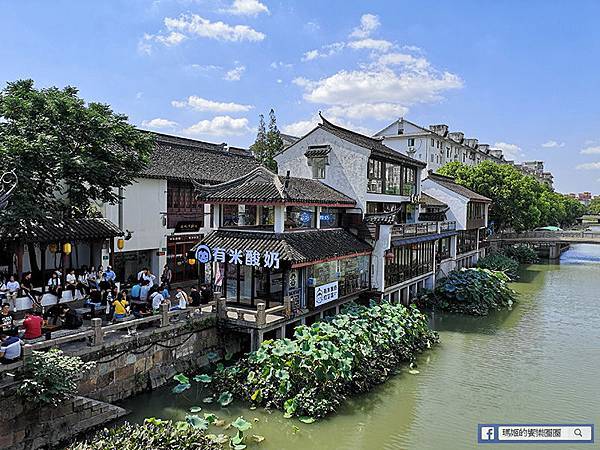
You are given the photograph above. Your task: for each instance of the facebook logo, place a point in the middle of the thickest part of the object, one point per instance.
(487, 433)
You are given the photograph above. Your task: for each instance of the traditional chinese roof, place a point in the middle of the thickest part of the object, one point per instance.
(387, 218)
(177, 158)
(297, 247)
(317, 151)
(428, 200)
(378, 149)
(451, 185)
(261, 186)
(65, 230)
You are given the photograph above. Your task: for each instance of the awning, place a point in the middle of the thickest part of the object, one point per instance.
(297, 247)
(64, 230)
(397, 242)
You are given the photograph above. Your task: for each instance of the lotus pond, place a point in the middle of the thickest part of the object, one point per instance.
(539, 362)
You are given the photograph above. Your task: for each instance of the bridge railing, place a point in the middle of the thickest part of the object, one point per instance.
(558, 235)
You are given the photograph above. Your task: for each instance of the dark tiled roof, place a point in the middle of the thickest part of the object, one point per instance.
(317, 151)
(388, 218)
(428, 200)
(450, 184)
(65, 230)
(296, 247)
(178, 158)
(288, 139)
(263, 186)
(375, 145)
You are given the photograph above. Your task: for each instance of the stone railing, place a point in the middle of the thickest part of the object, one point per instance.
(254, 318)
(96, 334)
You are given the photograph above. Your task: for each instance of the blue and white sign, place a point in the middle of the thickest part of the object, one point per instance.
(250, 257)
(326, 293)
(203, 254)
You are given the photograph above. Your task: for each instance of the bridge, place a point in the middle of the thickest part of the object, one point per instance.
(555, 241)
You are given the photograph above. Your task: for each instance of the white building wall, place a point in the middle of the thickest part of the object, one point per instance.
(457, 203)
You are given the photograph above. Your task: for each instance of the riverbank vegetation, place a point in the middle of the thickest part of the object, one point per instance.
(311, 375)
(498, 262)
(521, 253)
(519, 201)
(473, 291)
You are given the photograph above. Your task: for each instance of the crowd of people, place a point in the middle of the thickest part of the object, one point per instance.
(101, 293)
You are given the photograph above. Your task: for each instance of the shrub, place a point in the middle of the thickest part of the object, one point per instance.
(154, 434)
(472, 291)
(500, 263)
(51, 377)
(311, 375)
(522, 253)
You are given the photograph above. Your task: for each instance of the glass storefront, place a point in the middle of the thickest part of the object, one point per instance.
(300, 217)
(234, 216)
(408, 261)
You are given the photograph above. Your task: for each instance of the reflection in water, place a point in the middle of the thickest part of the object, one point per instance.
(537, 363)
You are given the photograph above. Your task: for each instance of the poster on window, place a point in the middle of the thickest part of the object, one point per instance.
(326, 293)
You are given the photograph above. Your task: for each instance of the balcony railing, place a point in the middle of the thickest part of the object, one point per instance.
(406, 230)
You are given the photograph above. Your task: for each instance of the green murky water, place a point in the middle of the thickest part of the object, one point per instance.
(538, 363)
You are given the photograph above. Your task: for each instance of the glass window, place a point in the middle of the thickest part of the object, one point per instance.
(409, 185)
(330, 218)
(318, 167)
(375, 176)
(411, 142)
(393, 178)
(300, 217)
(323, 273)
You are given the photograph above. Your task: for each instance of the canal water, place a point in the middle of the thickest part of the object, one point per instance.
(539, 363)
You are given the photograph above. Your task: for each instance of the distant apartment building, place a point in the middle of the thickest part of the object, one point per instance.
(585, 198)
(436, 145)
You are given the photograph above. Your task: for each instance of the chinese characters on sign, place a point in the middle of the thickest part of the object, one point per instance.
(269, 259)
(326, 293)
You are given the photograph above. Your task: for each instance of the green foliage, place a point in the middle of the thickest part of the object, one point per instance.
(51, 377)
(154, 434)
(594, 207)
(311, 375)
(68, 155)
(521, 253)
(519, 201)
(499, 262)
(472, 291)
(268, 143)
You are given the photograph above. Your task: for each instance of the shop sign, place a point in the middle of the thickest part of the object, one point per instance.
(326, 293)
(269, 259)
(188, 226)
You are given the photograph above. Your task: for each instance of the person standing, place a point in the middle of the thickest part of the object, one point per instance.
(12, 288)
(167, 276)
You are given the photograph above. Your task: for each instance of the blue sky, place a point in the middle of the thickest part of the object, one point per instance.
(519, 75)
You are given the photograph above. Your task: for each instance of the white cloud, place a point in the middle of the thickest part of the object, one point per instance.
(204, 68)
(145, 44)
(219, 126)
(589, 166)
(404, 59)
(379, 45)
(159, 123)
(375, 85)
(235, 74)
(594, 150)
(324, 52)
(202, 104)
(139, 95)
(510, 151)
(378, 111)
(173, 38)
(280, 65)
(246, 8)
(193, 24)
(553, 144)
(368, 24)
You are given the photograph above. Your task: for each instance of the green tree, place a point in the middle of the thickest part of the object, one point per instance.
(267, 143)
(519, 201)
(68, 156)
(594, 207)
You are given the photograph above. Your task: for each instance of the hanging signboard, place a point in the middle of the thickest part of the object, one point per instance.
(326, 293)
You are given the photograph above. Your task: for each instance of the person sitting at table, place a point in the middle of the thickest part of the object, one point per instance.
(120, 306)
(92, 278)
(157, 299)
(164, 291)
(145, 291)
(135, 292)
(182, 299)
(10, 348)
(29, 291)
(141, 310)
(54, 285)
(33, 325)
(72, 284)
(7, 321)
(207, 294)
(110, 275)
(71, 320)
(52, 314)
(82, 280)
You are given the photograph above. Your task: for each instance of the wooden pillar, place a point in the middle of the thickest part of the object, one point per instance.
(111, 257)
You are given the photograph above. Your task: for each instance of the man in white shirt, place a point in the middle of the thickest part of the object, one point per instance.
(157, 300)
(182, 298)
(12, 288)
(10, 349)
